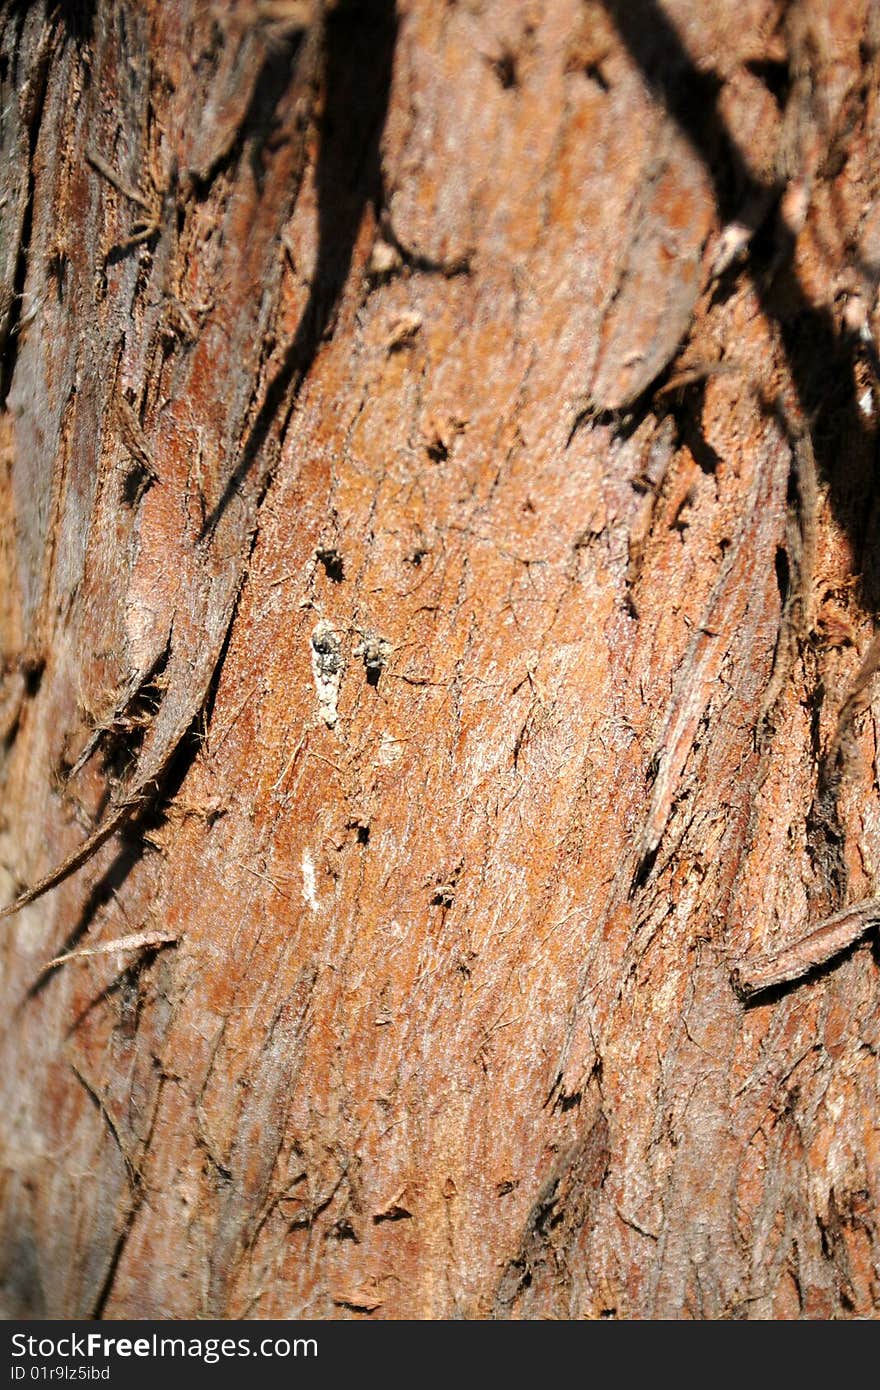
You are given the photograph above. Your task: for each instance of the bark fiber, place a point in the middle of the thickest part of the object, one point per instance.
(438, 530)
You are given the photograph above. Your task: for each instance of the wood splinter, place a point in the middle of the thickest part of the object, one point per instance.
(835, 935)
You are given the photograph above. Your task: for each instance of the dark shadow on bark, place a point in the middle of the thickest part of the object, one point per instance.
(360, 42)
(359, 48)
(127, 856)
(774, 994)
(821, 360)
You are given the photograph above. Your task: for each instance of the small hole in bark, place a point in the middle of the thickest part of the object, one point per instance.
(334, 566)
(623, 423)
(504, 68)
(33, 677)
(362, 832)
(374, 652)
(643, 868)
(343, 1230)
(437, 451)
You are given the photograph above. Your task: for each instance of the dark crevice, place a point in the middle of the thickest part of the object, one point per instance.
(704, 456)
(135, 484)
(36, 97)
(825, 835)
(564, 1103)
(121, 737)
(207, 710)
(153, 812)
(343, 1230)
(815, 712)
(643, 870)
(121, 1240)
(562, 1212)
(783, 575)
(33, 676)
(148, 815)
(593, 72)
(395, 1213)
(122, 743)
(774, 75)
(623, 423)
(78, 17)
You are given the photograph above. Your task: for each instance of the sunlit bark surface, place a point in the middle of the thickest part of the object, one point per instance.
(438, 526)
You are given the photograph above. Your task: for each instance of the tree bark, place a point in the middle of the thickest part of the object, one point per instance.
(438, 534)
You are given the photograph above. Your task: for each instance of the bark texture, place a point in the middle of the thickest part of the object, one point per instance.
(438, 530)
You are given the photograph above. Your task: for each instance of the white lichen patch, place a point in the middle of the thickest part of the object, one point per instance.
(309, 887)
(327, 669)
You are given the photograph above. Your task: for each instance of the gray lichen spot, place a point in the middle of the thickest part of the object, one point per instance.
(374, 651)
(327, 668)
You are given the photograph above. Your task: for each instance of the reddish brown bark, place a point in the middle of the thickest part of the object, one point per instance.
(437, 530)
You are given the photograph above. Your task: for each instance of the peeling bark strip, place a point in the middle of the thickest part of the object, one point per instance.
(214, 561)
(828, 940)
(136, 941)
(114, 820)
